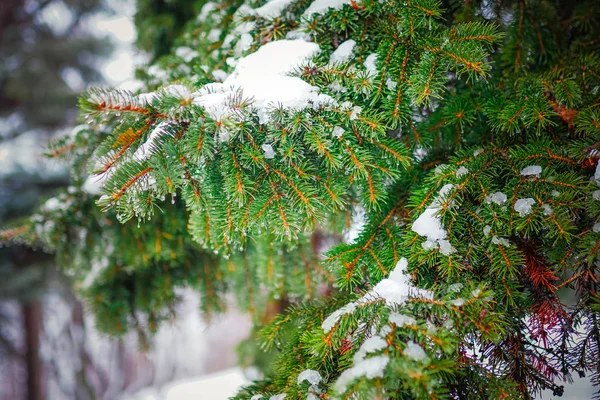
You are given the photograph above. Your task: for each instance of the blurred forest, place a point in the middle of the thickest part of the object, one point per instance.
(48, 346)
(47, 56)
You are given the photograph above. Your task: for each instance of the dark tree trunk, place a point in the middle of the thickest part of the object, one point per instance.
(32, 312)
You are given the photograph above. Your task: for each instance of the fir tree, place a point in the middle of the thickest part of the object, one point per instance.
(467, 135)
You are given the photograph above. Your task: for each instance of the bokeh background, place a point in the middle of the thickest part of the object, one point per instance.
(51, 50)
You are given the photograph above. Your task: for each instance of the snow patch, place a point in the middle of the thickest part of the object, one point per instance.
(547, 209)
(269, 152)
(333, 319)
(461, 171)
(534, 170)
(263, 77)
(186, 53)
(338, 131)
(272, 9)
(144, 151)
(400, 320)
(322, 6)
(415, 351)
(486, 230)
(501, 241)
(429, 224)
(498, 198)
(344, 52)
(371, 345)
(458, 302)
(394, 290)
(397, 288)
(523, 206)
(313, 377)
(371, 64)
(370, 368)
(206, 9)
(93, 184)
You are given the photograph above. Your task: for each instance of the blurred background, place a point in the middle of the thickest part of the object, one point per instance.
(50, 50)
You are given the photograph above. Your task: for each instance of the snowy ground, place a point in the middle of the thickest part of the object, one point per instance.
(218, 386)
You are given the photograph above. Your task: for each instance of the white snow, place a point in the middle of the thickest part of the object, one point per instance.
(397, 288)
(206, 9)
(272, 9)
(335, 316)
(313, 377)
(280, 396)
(144, 151)
(55, 204)
(420, 153)
(596, 227)
(344, 52)
(370, 368)
(220, 75)
(477, 152)
(547, 209)
(94, 183)
(214, 35)
(445, 247)
(243, 44)
(390, 84)
(429, 224)
(535, 170)
(336, 87)
(257, 397)
(429, 245)
(415, 351)
(186, 53)
(338, 131)
(458, 302)
(597, 174)
(500, 240)
(268, 149)
(323, 6)
(298, 34)
(486, 230)
(263, 77)
(179, 91)
(523, 206)
(455, 287)
(498, 198)
(145, 99)
(371, 64)
(461, 171)
(371, 345)
(400, 320)
(596, 195)
(394, 290)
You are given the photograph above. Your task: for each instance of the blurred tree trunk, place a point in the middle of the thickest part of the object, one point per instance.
(32, 312)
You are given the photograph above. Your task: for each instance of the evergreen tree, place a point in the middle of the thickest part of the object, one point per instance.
(460, 139)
